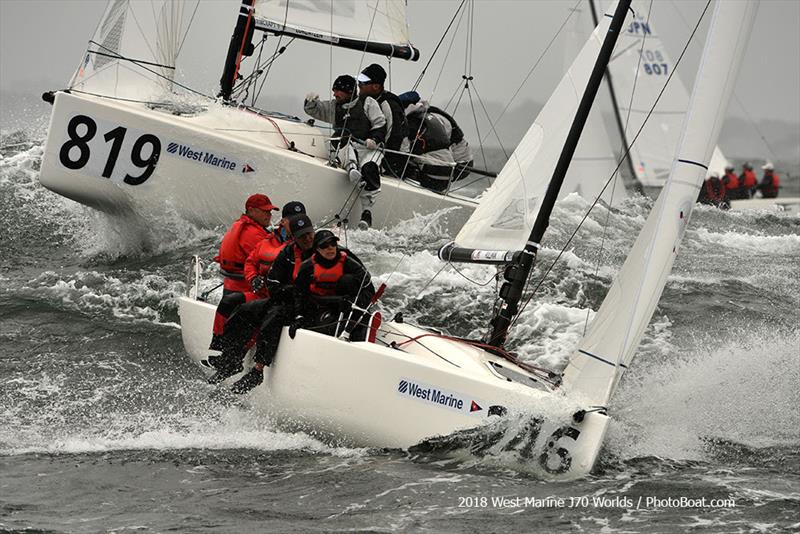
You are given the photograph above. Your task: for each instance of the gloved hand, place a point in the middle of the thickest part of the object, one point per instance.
(312, 96)
(371, 144)
(257, 284)
(298, 322)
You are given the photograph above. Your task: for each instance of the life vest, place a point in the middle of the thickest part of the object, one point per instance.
(351, 122)
(324, 279)
(769, 185)
(232, 256)
(731, 181)
(715, 191)
(435, 134)
(298, 260)
(266, 252)
(749, 179)
(399, 124)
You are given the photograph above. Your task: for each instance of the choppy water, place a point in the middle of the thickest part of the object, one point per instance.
(106, 426)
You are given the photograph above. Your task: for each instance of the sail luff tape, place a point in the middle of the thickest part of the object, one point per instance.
(534, 244)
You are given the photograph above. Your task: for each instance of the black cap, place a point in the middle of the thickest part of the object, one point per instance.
(300, 225)
(372, 74)
(345, 83)
(293, 208)
(323, 236)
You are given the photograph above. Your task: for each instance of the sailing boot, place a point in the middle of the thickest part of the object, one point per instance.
(366, 220)
(353, 173)
(250, 380)
(225, 372)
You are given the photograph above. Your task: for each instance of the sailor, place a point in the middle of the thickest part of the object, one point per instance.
(267, 316)
(459, 147)
(748, 182)
(258, 263)
(237, 244)
(770, 183)
(430, 136)
(371, 83)
(713, 192)
(333, 290)
(731, 183)
(359, 131)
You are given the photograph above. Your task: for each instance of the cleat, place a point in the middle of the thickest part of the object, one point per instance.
(250, 380)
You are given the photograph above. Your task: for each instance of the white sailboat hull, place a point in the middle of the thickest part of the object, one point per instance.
(208, 164)
(787, 204)
(370, 395)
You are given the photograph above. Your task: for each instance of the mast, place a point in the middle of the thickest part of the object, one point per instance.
(241, 45)
(516, 274)
(617, 116)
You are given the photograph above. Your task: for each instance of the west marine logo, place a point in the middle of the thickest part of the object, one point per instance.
(206, 157)
(438, 396)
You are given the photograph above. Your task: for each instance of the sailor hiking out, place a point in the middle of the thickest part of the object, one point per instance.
(435, 136)
(261, 321)
(359, 132)
(237, 244)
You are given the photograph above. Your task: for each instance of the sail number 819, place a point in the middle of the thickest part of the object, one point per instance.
(80, 141)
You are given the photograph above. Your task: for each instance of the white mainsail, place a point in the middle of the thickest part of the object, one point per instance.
(133, 52)
(611, 342)
(508, 208)
(373, 21)
(640, 70)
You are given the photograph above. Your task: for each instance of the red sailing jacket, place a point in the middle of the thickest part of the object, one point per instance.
(237, 244)
(731, 181)
(260, 260)
(324, 279)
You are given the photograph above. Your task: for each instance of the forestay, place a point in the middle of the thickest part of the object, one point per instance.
(508, 208)
(606, 351)
(378, 26)
(638, 83)
(133, 51)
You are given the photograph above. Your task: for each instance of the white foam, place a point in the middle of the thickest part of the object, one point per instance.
(743, 391)
(765, 244)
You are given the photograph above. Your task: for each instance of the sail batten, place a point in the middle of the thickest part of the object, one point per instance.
(619, 324)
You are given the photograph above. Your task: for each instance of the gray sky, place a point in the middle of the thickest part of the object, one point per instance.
(42, 41)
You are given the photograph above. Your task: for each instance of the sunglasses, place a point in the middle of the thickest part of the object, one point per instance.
(327, 244)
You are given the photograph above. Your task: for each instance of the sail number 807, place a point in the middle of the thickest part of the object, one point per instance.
(656, 68)
(75, 153)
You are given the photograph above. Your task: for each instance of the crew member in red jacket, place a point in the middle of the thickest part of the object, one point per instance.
(747, 182)
(239, 241)
(731, 182)
(770, 183)
(265, 317)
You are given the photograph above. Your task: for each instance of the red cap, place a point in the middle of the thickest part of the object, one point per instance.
(261, 202)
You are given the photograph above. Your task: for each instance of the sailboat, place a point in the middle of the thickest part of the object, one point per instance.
(121, 142)
(637, 74)
(413, 383)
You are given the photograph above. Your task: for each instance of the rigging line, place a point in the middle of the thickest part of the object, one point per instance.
(430, 59)
(536, 64)
(468, 279)
(619, 163)
(491, 126)
(247, 82)
(477, 127)
(277, 47)
(429, 282)
(141, 32)
(625, 130)
(755, 126)
(135, 62)
(447, 55)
